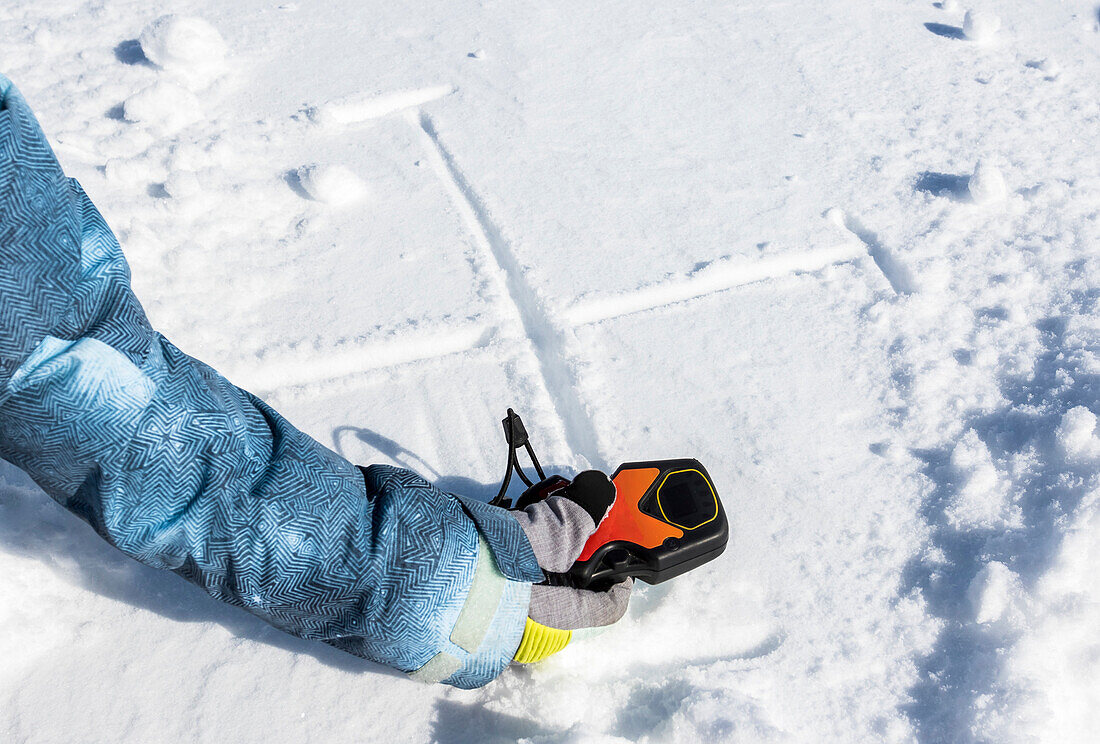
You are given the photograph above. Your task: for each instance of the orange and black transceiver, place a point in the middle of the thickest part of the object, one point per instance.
(666, 519)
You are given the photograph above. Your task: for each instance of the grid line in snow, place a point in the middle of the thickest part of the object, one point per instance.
(546, 337)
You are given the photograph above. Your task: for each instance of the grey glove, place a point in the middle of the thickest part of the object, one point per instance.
(558, 528)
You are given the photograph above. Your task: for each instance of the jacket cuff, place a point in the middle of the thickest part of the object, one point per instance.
(488, 630)
(510, 547)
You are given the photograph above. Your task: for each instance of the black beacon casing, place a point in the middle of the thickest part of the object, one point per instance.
(666, 520)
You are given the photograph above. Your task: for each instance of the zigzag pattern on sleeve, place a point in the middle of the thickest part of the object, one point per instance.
(181, 470)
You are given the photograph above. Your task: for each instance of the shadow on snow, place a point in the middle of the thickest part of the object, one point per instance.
(965, 662)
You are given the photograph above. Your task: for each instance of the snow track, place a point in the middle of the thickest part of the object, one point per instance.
(901, 281)
(712, 278)
(545, 336)
(357, 110)
(289, 369)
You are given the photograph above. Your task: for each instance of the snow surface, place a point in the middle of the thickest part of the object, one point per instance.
(742, 232)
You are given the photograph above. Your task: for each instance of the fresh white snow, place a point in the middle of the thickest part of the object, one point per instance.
(838, 252)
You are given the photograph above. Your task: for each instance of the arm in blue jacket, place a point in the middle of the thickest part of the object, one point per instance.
(181, 470)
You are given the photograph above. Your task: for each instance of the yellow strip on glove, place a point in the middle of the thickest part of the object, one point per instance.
(540, 641)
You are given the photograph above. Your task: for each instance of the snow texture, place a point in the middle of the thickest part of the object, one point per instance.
(838, 252)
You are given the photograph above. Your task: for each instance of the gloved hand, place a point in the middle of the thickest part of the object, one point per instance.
(558, 528)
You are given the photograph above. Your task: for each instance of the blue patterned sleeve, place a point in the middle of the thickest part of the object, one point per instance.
(181, 470)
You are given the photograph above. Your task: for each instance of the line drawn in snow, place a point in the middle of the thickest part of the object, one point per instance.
(896, 273)
(526, 314)
(287, 369)
(300, 368)
(709, 280)
(358, 109)
(284, 368)
(546, 337)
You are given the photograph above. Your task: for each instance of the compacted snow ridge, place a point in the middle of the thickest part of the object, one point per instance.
(845, 254)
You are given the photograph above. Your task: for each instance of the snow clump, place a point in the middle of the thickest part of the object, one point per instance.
(949, 6)
(182, 184)
(986, 185)
(980, 499)
(186, 46)
(1050, 66)
(332, 184)
(163, 104)
(995, 594)
(980, 26)
(836, 216)
(1077, 434)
